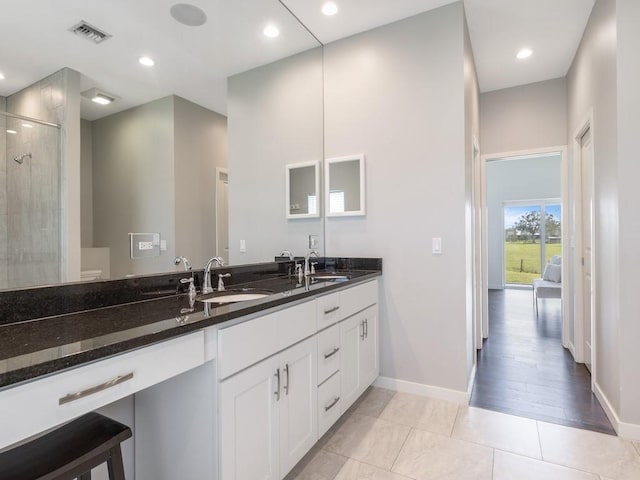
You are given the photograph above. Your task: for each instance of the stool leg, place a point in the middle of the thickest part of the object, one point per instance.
(114, 464)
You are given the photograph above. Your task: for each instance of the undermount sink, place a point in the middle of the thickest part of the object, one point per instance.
(232, 296)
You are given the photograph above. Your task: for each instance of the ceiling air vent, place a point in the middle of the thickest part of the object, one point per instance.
(89, 32)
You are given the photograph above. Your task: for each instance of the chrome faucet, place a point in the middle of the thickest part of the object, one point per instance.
(220, 282)
(307, 270)
(184, 261)
(206, 284)
(191, 280)
(286, 253)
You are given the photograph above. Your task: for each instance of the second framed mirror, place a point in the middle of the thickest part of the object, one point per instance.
(345, 186)
(303, 190)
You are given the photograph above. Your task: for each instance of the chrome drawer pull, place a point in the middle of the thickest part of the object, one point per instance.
(72, 397)
(331, 353)
(332, 404)
(331, 310)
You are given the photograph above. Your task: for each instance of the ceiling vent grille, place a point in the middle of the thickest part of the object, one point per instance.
(89, 32)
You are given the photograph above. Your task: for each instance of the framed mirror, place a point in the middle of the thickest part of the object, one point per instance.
(345, 186)
(302, 190)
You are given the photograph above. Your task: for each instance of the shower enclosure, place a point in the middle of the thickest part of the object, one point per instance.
(30, 205)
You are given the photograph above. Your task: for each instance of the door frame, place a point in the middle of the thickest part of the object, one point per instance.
(577, 347)
(219, 172)
(567, 287)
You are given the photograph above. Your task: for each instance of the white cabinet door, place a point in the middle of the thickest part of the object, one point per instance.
(298, 403)
(368, 361)
(351, 339)
(249, 423)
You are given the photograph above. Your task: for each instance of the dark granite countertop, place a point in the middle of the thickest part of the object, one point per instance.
(34, 347)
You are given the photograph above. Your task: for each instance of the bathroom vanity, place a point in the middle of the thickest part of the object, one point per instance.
(235, 391)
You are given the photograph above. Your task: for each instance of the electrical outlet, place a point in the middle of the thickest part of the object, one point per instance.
(313, 241)
(145, 245)
(243, 246)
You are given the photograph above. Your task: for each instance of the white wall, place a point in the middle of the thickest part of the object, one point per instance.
(592, 85)
(86, 184)
(200, 146)
(524, 117)
(133, 184)
(628, 80)
(397, 94)
(274, 119)
(513, 180)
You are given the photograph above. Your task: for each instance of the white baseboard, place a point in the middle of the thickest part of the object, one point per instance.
(630, 431)
(572, 350)
(440, 393)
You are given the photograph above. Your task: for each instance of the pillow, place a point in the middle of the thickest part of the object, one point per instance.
(555, 260)
(552, 273)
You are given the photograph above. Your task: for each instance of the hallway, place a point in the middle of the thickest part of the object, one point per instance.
(524, 370)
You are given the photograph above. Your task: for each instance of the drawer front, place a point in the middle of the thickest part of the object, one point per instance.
(67, 395)
(328, 352)
(329, 404)
(247, 343)
(329, 310)
(296, 323)
(358, 298)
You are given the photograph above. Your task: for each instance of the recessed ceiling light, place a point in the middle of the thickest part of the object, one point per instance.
(188, 14)
(99, 96)
(147, 61)
(271, 31)
(27, 125)
(12, 132)
(102, 99)
(330, 8)
(524, 53)
(1, 76)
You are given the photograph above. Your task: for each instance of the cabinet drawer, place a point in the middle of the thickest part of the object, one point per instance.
(358, 298)
(247, 343)
(67, 395)
(329, 404)
(328, 352)
(329, 311)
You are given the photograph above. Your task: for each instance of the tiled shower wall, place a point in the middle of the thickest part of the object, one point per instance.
(32, 223)
(3, 195)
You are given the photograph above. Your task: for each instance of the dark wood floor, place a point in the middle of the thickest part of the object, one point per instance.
(524, 370)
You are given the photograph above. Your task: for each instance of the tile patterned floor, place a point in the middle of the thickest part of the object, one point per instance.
(397, 436)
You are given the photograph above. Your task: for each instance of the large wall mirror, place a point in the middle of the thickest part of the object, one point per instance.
(191, 148)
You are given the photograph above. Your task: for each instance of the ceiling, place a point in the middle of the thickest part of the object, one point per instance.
(194, 62)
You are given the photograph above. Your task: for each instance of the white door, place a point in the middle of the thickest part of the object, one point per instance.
(351, 338)
(298, 403)
(249, 423)
(586, 181)
(368, 361)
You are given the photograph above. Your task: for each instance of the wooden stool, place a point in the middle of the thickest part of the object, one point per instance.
(69, 452)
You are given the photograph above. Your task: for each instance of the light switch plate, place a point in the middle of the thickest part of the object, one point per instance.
(243, 246)
(313, 241)
(436, 246)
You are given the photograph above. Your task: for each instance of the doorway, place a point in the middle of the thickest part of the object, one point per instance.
(524, 367)
(222, 213)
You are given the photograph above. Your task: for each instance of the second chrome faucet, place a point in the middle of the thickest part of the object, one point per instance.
(206, 284)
